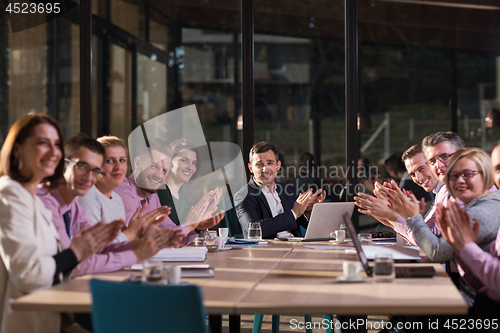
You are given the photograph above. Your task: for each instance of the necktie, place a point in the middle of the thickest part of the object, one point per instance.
(67, 222)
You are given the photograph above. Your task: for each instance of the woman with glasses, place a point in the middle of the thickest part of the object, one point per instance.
(31, 253)
(102, 203)
(469, 179)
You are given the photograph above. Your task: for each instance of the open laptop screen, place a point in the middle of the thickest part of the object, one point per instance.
(357, 244)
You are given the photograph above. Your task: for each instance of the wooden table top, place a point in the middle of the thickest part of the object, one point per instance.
(282, 278)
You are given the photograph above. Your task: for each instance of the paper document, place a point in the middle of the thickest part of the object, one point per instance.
(397, 252)
(329, 247)
(201, 272)
(246, 241)
(182, 254)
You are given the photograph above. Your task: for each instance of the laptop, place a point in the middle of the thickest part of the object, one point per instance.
(401, 272)
(326, 217)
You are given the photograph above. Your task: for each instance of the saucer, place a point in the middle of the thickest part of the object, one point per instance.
(345, 279)
(225, 248)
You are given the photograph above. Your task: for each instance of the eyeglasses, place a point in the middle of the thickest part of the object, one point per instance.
(443, 158)
(382, 234)
(466, 174)
(84, 168)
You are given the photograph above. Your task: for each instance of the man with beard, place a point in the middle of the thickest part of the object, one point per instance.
(151, 168)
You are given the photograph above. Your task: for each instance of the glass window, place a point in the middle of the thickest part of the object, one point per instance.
(207, 61)
(158, 30)
(128, 15)
(423, 64)
(27, 83)
(98, 7)
(121, 87)
(299, 84)
(151, 88)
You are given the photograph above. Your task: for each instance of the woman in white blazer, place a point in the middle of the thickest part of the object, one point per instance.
(29, 245)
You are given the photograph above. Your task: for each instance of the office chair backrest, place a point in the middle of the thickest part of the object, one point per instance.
(132, 307)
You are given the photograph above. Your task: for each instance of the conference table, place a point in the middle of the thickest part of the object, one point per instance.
(282, 278)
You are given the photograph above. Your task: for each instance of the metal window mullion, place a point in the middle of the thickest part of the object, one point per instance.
(86, 66)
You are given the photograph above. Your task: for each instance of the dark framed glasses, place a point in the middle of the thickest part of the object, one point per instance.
(466, 174)
(84, 168)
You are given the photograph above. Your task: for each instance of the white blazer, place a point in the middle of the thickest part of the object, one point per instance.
(28, 241)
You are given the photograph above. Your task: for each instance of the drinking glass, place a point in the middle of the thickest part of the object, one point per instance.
(254, 231)
(211, 241)
(384, 268)
(365, 238)
(152, 272)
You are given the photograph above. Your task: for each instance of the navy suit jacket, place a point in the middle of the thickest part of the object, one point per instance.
(251, 206)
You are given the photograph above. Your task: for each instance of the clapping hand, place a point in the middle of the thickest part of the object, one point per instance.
(147, 246)
(317, 197)
(455, 225)
(140, 221)
(211, 221)
(377, 207)
(300, 205)
(403, 202)
(92, 240)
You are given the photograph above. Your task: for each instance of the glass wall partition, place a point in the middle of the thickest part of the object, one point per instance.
(426, 68)
(299, 85)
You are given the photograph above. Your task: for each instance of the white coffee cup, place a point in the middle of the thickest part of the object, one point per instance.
(351, 269)
(221, 241)
(171, 275)
(340, 235)
(223, 232)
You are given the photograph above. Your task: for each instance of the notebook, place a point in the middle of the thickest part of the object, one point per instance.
(181, 254)
(401, 272)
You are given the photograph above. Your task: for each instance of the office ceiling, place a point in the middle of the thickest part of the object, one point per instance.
(461, 24)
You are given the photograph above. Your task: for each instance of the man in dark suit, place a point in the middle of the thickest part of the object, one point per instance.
(275, 205)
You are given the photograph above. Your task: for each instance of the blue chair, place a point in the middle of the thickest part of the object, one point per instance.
(131, 307)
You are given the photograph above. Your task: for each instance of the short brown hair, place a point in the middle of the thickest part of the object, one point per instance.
(482, 161)
(262, 147)
(22, 129)
(82, 140)
(108, 141)
(412, 151)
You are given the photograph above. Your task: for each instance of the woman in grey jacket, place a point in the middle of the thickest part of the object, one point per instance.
(469, 178)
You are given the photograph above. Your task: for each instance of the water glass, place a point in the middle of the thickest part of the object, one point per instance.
(254, 231)
(384, 268)
(365, 238)
(152, 272)
(211, 241)
(340, 235)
